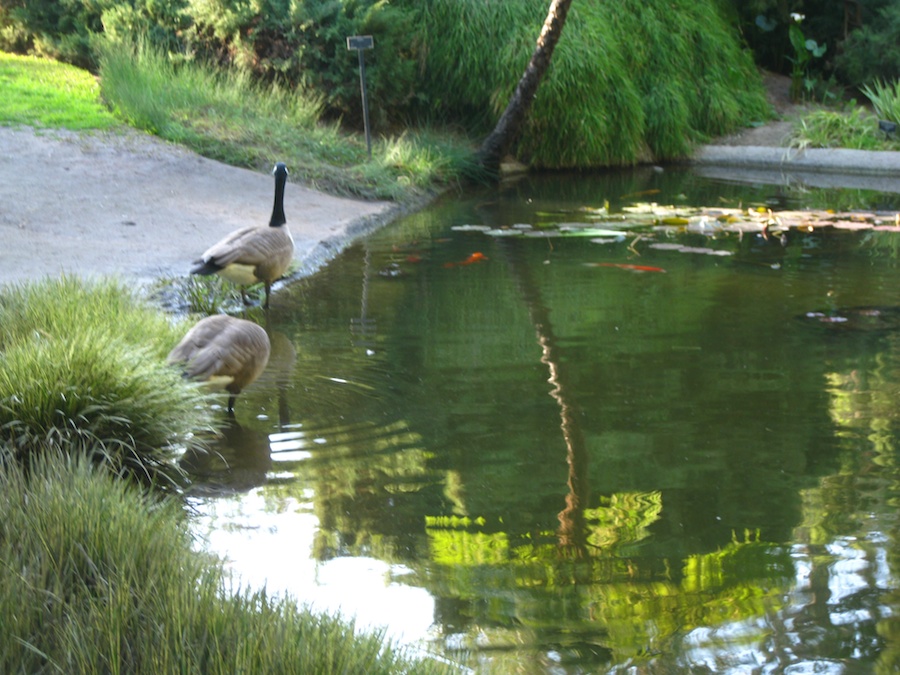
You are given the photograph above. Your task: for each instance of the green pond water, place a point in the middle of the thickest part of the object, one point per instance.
(523, 454)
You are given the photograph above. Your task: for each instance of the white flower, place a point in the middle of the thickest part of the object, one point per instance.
(796, 16)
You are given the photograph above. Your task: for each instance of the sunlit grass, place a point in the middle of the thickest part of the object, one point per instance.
(44, 93)
(227, 116)
(98, 577)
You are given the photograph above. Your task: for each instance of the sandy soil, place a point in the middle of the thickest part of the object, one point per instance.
(129, 204)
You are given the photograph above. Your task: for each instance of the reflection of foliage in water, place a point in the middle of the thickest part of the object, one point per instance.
(617, 601)
(859, 503)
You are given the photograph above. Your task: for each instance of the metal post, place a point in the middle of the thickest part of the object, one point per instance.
(360, 43)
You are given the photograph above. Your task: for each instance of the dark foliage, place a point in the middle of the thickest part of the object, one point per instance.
(873, 51)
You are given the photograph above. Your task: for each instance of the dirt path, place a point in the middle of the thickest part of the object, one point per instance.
(132, 205)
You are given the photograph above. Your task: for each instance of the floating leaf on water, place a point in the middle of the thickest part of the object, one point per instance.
(504, 232)
(745, 227)
(470, 228)
(850, 225)
(867, 319)
(690, 249)
(674, 220)
(592, 232)
(702, 225)
(541, 234)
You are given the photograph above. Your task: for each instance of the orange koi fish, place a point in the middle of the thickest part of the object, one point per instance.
(474, 258)
(626, 266)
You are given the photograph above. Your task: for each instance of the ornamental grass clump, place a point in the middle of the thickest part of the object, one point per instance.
(628, 83)
(856, 129)
(885, 98)
(82, 370)
(101, 577)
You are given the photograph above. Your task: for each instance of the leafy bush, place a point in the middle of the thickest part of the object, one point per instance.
(873, 51)
(68, 29)
(305, 43)
(856, 129)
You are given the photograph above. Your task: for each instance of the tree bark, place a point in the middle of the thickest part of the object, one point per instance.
(500, 140)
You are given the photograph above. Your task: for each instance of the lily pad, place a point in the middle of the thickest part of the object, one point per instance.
(865, 319)
(470, 228)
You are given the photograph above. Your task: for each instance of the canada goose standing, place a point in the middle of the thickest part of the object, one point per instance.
(225, 352)
(254, 254)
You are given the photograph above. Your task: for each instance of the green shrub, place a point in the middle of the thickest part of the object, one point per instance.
(82, 369)
(873, 51)
(68, 30)
(856, 129)
(305, 43)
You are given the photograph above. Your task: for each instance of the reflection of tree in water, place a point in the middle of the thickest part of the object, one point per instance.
(572, 531)
(614, 603)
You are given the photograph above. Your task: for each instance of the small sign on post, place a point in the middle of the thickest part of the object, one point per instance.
(360, 43)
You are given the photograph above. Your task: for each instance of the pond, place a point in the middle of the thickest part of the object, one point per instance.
(649, 444)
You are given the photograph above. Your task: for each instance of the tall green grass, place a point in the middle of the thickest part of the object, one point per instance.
(195, 104)
(629, 81)
(855, 129)
(82, 370)
(885, 98)
(97, 577)
(44, 93)
(228, 116)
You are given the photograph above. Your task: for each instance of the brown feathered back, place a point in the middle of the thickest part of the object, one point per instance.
(226, 352)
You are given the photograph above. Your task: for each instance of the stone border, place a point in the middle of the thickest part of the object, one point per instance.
(818, 167)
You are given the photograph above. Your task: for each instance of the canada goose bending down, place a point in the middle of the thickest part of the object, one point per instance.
(225, 352)
(254, 254)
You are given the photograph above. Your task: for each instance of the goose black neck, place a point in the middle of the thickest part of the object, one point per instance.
(278, 218)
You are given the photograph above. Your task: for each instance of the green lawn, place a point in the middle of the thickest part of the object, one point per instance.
(43, 93)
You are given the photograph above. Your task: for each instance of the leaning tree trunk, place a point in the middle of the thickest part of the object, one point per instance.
(498, 143)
